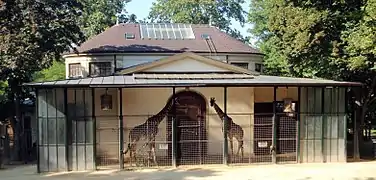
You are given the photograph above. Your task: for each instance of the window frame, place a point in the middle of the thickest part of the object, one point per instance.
(235, 63)
(102, 72)
(261, 67)
(77, 69)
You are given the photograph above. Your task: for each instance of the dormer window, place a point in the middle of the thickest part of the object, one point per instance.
(205, 36)
(240, 64)
(100, 69)
(258, 67)
(129, 36)
(75, 70)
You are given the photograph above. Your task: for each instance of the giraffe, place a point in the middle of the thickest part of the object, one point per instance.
(148, 130)
(233, 129)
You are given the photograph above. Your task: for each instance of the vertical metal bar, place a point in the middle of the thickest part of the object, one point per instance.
(94, 126)
(66, 129)
(274, 135)
(298, 127)
(225, 124)
(38, 124)
(115, 64)
(56, 132)
(338, 119)
(323, 120)
(314, 113)
(75, 130)
(306, 123)
(346, 119)
(47, 132)
(85, 122)
(173, 133)
(121, 131)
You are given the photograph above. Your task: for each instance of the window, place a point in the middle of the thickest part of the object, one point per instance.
(100, 69)
(129, 36)
(205, 36)
(258, 67)
(240, 64)
(75, 70)
(166, 31)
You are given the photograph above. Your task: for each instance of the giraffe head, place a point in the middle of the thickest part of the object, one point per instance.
(212, 101)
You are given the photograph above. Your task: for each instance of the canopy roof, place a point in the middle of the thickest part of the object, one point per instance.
(182, 80)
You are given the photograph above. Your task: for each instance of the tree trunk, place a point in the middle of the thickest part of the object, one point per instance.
(16, 122)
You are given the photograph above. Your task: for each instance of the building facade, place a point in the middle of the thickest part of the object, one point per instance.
(186, 108)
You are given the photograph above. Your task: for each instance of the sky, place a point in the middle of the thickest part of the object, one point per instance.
(141, 9)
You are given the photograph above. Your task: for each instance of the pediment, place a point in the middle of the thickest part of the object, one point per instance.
(186, 63)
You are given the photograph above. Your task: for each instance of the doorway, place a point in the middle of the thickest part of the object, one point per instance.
(191, 128)
(285, 134)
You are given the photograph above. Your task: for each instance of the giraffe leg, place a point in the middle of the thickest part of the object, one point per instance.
(152, 148)
(133, 156)
(231, 148)
(240, 148)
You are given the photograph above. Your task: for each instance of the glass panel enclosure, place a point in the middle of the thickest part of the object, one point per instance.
(80, 129)
(322, 124)
(65, 138)
(52, 126)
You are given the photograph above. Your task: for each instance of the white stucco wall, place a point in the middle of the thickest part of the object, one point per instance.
(124, 61)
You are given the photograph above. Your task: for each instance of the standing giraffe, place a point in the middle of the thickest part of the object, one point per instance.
(233, 129)
(148, 130)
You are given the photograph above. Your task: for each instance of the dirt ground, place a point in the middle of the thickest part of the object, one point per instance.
(343, 171)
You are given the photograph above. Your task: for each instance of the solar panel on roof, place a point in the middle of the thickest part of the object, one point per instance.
(166, 31)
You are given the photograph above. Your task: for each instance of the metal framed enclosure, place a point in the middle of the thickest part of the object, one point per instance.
(188, 126)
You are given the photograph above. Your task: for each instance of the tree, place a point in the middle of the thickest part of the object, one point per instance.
(98, 15)
(55, 72)
(33, 33)
(217, 13)
(327, 39)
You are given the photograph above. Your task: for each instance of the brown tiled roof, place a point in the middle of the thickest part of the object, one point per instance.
(113, 40)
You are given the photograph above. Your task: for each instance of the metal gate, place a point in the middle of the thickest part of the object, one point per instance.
(191, 129)
(107, 142)
(275, 140)
(286, 139)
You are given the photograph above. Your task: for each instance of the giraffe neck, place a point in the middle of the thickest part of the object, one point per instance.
(163, 113)
(219, 111)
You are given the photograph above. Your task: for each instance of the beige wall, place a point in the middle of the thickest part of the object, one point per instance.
(107, 123)
(84, 61)
(139, 104)
(186, 65)
(266, 94)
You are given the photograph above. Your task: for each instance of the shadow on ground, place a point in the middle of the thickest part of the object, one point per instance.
(153, 174)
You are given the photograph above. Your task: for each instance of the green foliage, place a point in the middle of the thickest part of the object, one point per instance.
(98, 15)
(316, 38)
(218, 13)
(53, 73)
(33, 34)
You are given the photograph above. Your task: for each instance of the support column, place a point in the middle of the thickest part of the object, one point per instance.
(38, 134)
(274, 135)
(225, 124)
(173, 129)
(347, 90)
(94, 121)
(323, 120)
(66, 129)
(121, 131)
(298, 127)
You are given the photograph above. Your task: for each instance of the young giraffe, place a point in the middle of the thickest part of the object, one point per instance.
(233, 129)
(148, 130)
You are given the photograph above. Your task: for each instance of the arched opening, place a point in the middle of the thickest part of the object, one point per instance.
(191, 128)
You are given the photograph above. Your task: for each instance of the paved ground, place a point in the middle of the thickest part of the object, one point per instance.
(350, 171)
